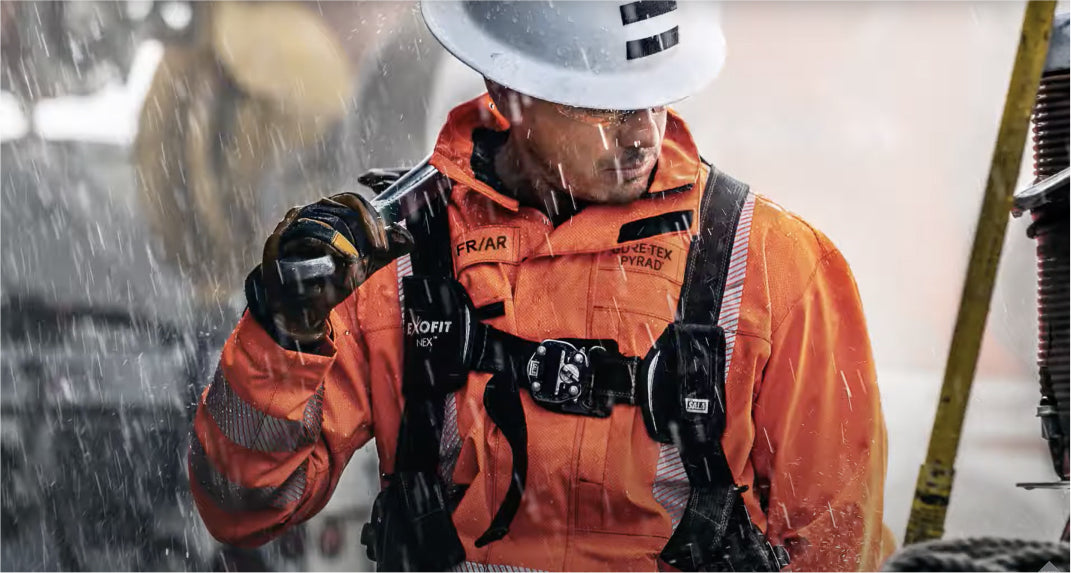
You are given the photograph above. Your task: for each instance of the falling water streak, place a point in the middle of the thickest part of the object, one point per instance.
(788, 522)
(650, 335)
(831, 517)
(554, 202)
(516, 116)
(768, 442)
(617, 308)
(847, 389)
(602, 134)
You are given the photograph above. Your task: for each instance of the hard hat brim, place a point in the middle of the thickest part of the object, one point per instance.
(663, 78)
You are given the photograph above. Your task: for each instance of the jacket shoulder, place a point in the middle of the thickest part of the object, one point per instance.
(783, 230)
(784, 254)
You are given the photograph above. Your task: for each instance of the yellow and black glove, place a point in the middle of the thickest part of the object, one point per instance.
(344, 226)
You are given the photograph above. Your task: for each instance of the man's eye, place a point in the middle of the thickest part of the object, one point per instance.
(594, 115)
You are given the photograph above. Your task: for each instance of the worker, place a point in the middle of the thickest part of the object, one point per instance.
(596, 351)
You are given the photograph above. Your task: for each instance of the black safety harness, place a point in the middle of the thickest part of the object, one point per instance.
(679, 386)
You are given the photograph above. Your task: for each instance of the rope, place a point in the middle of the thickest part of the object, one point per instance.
(981, 554)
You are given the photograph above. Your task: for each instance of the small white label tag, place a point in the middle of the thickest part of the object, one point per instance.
(697, 406)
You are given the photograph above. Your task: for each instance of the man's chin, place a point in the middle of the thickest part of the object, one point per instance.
(616, 196)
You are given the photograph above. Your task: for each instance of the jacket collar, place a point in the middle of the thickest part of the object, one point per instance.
(678, 165)
(595, 228)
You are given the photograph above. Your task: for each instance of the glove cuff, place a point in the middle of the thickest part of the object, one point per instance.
(256, 298)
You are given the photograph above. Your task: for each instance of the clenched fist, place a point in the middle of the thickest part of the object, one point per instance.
(344, 226)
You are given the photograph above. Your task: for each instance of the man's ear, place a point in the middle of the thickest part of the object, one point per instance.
(507, 101)
(497, 92)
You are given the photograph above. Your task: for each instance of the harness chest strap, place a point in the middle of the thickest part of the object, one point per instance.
(576, 376)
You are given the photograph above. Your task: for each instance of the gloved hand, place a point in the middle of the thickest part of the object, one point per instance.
(344, 226)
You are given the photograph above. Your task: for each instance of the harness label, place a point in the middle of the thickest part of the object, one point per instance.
(487, 245)
(424, 333)
(429, 327)
(697, 406)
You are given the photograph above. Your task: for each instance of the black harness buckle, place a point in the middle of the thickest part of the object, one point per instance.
(561, 379)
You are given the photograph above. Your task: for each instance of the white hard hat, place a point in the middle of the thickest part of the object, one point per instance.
(606, 55)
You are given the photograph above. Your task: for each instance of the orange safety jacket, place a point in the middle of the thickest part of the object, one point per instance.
(275, 428)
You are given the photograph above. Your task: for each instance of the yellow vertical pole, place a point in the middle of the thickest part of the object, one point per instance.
(934, 485)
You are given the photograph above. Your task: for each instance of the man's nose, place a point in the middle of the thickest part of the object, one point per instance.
(641, 130)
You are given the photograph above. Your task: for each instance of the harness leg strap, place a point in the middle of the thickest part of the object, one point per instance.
(502, 401)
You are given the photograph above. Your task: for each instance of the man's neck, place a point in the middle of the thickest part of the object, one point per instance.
(524, 180)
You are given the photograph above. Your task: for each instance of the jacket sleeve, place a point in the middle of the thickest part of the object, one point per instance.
(275, 428)
(818, 407)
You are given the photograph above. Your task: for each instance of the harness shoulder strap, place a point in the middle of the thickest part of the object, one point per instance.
(708, 258)
(715, 532)
(432, 262)
(430, 228)
(412, 528)
(422, 417)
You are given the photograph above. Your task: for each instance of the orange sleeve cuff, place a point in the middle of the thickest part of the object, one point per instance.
(277, 381)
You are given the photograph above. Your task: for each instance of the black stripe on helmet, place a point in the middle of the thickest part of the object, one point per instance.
(652, 44)
(639, 11)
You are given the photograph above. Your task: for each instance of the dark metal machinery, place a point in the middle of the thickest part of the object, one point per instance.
(1047, 203)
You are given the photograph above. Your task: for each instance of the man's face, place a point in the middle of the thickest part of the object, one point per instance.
(597, 156)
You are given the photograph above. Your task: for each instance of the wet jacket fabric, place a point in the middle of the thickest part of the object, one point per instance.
(805, 432)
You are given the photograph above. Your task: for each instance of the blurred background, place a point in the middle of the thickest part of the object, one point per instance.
(148, 148)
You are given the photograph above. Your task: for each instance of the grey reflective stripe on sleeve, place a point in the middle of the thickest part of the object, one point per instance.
(231, 496)
(404, 269)
(248, 427)
(473, 566)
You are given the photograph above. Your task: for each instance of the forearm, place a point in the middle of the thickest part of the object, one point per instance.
(260, 459)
